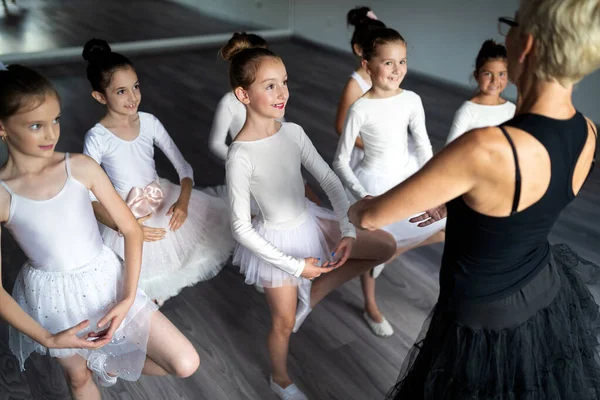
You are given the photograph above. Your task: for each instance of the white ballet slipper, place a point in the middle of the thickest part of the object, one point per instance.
(377, 271)
(303, 306)
(289, 393)
(381, 329)
(97, 364)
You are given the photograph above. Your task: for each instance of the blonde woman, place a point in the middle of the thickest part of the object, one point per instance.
(513, 320)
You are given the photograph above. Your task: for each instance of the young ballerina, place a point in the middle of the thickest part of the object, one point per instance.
(187, 234)
(292, 241)
(382, 118)
(487, 107)
(230, 115)
(74, 298)
(513, 319)
(364, 21)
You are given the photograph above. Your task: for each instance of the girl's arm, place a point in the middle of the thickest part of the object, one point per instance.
(87, 171)
(179, 209)
(460, 124)
(352, 92)
(92, 148)
(329, 181)
(220, 128)
(419, 132)
(341, 160)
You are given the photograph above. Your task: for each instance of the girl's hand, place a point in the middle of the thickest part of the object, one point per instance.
(179, 212)
(115, 317)
(151, 234)
(343, 251)
(312, 269)
(68, 339)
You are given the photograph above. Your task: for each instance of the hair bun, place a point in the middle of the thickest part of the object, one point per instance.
(358, 15)
(238, 42)
(95, 48)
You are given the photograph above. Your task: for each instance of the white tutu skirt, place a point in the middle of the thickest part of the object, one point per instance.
(316, 234)
(61, 300)
(197, 251)
(405, 232)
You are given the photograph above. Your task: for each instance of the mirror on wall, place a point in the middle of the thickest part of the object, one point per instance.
(34, 26)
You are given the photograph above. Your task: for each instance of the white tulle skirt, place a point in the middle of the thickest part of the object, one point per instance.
(196, 252)
(405, 232)
(315, 233)
(61, 300)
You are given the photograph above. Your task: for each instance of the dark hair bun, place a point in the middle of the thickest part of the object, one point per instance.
(241, 41)
(490, 50)
(357, 16)
(95, 48)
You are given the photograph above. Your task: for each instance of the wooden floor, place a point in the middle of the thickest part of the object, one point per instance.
(334, 356)
(40, 25)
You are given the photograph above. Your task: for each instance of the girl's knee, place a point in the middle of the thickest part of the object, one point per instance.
(283, 325)
(387, 246)
(79, 378)
(186, 364)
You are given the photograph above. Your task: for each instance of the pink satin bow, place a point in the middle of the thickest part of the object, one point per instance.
(143, 201)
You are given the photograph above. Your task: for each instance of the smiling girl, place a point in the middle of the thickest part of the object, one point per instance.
(74, 298)
(186, 232)
(292, 241)
(487, 107)
(382, 117)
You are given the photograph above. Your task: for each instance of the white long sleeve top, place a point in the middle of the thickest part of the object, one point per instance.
(270, 170)
(383, 127)
(473, 116)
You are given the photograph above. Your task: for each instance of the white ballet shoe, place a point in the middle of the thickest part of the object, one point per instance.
(381, 329)
(289, 393)
(259, 289)
(303, 306)
(97, 364)
(377, 271)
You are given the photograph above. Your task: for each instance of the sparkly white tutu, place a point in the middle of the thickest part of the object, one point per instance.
(59, 300)
(197, 251)
(315, 233)
(405, 232)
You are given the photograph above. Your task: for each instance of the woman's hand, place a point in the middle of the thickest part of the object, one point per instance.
(179, 212)
(430, 216)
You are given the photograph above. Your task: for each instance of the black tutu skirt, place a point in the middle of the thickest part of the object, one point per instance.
(539, 343)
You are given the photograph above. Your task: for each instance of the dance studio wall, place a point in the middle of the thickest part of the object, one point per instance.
(260, 13)
(443, 36)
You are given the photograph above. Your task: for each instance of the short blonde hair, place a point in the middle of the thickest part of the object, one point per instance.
(566, 36)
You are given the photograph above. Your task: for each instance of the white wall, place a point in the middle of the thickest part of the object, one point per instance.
(443, 36)
(268, 13)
